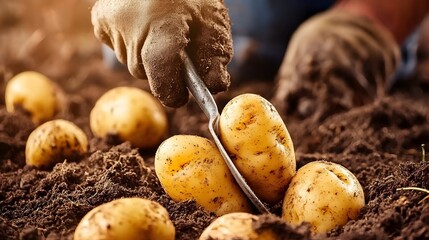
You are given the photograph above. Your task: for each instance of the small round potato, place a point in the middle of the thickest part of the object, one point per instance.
(130, 114)
(126, 218)
(35, 94)
(191, 167)
(54, 141)
(254, 133)
(236, 225)
(323, 194)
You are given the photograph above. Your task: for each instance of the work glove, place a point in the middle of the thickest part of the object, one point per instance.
(334, 62)
(150, 37)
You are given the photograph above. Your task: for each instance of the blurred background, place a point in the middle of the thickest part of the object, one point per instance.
(56, 38)
(45, 35)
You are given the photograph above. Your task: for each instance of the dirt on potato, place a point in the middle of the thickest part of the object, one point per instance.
(380, 142)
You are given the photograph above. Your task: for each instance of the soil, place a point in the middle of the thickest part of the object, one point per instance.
(379, 142)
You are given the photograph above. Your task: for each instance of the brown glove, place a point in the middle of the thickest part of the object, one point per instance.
(150, 36)
(335, 61)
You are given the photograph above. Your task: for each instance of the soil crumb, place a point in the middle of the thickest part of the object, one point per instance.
(380, 141)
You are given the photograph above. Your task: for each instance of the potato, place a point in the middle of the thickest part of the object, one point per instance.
(191, 167)
(34, 93)
(126, 218)
(130, 114)
(54, 141)
(236, 225)
(324, 194)
(254, 134)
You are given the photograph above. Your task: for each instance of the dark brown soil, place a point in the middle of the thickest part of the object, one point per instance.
(379, 142)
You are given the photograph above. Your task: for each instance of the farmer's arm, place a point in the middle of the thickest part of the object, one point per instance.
(398, 16)
(345, 56)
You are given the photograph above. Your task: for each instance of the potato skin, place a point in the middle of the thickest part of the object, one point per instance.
(129, 114)
(126, 218)
(236, 225)
(34, 93)
(324, 194)
(254, 133)
(54, 141)
(191, 167)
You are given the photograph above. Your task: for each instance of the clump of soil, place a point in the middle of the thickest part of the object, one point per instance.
(53, 202)
(379, 142)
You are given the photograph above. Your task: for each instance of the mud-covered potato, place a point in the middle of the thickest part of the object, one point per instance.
(236, 225)
(254, 133)
(191, 167)
(35, 94)
(54, 141)
(126, 218)
(129, 114)
(323, 194)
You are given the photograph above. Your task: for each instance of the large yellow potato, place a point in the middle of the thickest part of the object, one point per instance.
(129, 114)
(54, 141)
(254, 133)
(34, 93)
(324, 194)
(126, 218)
(236, 225)
(191, 167)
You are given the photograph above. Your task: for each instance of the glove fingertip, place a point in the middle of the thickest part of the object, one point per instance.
(169, 96)
(134, 63)
(136, 71)
(217, 79)
(175, 102)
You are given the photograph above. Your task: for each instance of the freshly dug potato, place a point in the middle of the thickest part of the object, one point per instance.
(236, 225)
(191, 167)
(324, 194)
(126, 218)
(254, 133)
(35, 94)
(129, 114)
(54, 141)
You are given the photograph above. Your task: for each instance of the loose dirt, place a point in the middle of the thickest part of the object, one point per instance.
(379, 142)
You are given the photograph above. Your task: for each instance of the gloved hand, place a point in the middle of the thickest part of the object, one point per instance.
(335, 61)
(149, 36)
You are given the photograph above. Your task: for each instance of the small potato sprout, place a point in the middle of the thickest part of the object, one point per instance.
(236, 225)
(254, 134)
(191, 167)
(126, 218)
(130, 114)
(35, 94)
(323, 194)
(54, 141)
